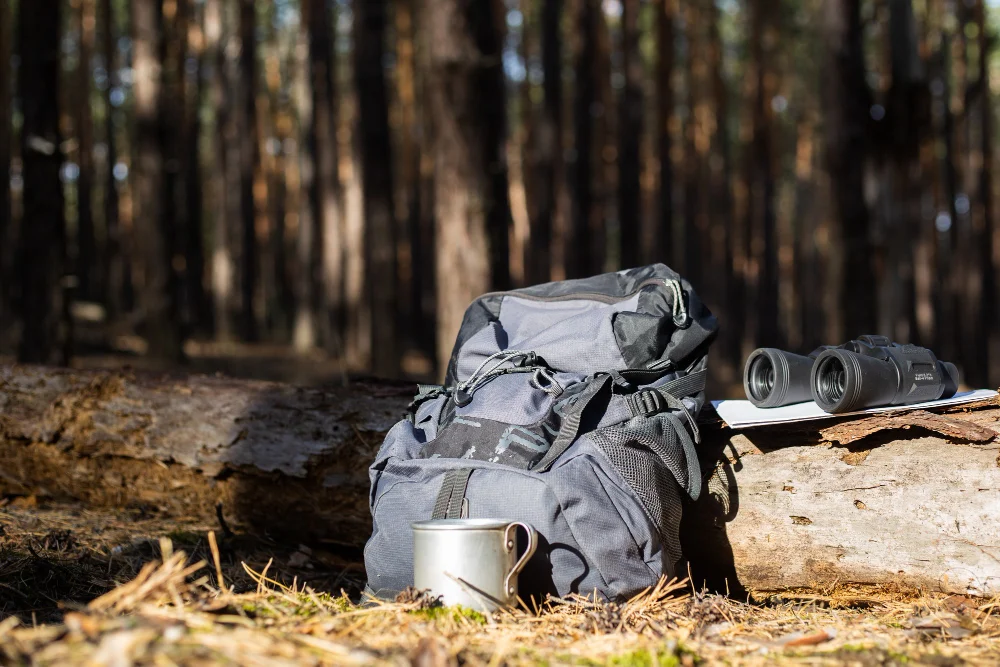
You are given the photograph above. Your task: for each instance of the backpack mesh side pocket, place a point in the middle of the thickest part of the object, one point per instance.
(648, 455)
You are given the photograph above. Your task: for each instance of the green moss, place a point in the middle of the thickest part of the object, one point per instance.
(456, 613)
(642, 658)
(255, 610)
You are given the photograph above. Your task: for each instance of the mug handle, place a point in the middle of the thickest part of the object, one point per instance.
(510, 543)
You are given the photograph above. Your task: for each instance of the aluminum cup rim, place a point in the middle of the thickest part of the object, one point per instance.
(460, 524)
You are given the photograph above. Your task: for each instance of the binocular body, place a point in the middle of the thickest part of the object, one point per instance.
(871, 371)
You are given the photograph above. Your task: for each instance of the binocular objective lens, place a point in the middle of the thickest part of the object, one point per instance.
(832, 377)
(761, 378)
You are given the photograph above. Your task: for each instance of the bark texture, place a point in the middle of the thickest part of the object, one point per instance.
(471, 208)
(781, 509)
(41, 256)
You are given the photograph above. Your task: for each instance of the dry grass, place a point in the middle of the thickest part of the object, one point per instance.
(209, 609)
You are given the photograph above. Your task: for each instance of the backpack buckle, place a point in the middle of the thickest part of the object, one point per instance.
(646, 402)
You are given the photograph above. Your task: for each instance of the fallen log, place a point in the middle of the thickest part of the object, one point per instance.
(914, 502)
(288, 461)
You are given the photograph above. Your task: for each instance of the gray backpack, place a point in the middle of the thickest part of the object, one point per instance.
(570, 406)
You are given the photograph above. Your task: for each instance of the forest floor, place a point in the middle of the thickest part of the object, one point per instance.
(87, 587)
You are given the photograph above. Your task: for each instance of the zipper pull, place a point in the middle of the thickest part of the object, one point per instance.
(681, 318)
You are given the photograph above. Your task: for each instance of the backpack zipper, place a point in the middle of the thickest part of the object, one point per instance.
(593, 296)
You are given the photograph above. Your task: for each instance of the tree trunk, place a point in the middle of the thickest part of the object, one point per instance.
(42, 261)
(906, 507)
(989, 257)
(199, 309)
(846, 145)
(114, 261)
(797, 508)
(6, 228)
(220, 91)
(152, 229)
(549, 211)
(320, 317)
(579, 245)
(377, 185)
(630, 129)
(466, 107)
(722, 281)
(666, 12)
(249, 139)
(760, 178)
(86, 237)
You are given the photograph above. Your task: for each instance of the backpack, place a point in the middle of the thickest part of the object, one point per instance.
(570, 406)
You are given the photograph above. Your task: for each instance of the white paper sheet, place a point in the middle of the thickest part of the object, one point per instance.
(743, 414)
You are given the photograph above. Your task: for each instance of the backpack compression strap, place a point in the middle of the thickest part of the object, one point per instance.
(450, 503)
(668, 395)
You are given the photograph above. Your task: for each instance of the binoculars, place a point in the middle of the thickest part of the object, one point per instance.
(869, 372)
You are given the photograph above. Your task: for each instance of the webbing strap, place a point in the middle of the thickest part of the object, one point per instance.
(452, 494)
(571, 422)
(646, 402)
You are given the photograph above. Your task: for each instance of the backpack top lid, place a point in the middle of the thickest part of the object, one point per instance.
(642, 318)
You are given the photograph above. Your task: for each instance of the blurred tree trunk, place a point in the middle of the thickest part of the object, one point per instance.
(905, 124)
(604, 159)
(847, 113)
(987, 242)
(979, 294)
(761, 177)
(114, 261)
(578, 254)
(6, 228)
(377, 184)
(219, 91)
(666, 12)
(249, 141)
(42, 261)
(695, 147)
(152, 229)
(724, 286)
(320, 286)
(466, 107)
(200, 312)
(173, 99)
(630, 128)
(86, 238)
(410, 261)
(550, 211)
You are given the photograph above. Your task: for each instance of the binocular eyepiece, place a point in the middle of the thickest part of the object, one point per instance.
(871, 371)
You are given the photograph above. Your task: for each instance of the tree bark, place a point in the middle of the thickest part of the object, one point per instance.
(550, 212)
(6, 254)
(989, 257)
(42, 261)
(579, 245)
(216, 31)
(847, 146)
(249, 152)
(802, 506)
(761, 178)
(152, 228)
(466, 107)
(320, 286)
(114, 262)
(666, 12)
(630, 129)
(381, 276)
(199, 309)
(86, 237)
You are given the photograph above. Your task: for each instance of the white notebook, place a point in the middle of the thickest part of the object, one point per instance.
(743, 414)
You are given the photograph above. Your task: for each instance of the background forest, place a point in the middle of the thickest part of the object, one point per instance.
(324, 185)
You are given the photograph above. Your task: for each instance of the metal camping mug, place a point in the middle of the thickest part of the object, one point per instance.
(471, 562)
